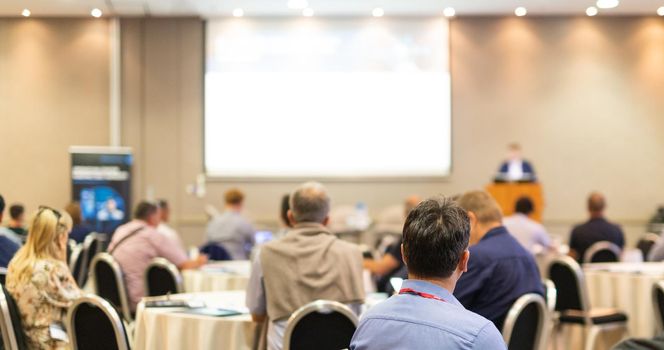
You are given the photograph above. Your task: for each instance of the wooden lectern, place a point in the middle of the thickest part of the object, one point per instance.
(506, 194)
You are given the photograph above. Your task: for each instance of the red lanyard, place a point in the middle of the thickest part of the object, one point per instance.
(420, 294)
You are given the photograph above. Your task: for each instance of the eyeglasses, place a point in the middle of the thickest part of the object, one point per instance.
(57, 214)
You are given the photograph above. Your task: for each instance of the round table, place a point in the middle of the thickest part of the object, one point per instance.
(218, 276)
(628, 287)
(173, 329)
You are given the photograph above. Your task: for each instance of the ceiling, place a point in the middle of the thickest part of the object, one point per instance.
(219, 8)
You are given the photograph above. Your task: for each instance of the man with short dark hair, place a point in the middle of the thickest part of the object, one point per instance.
(17, 220)
(530, 233)
(231, 230)
(500, 270)
(164, 228)
(137, 242)
(596, 229)
(9, 243)
(425, 314)
(307, 264)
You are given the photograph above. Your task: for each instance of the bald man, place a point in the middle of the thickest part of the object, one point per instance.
(594, 230)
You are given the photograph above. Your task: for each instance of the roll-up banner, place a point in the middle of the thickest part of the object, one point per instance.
(101, 183)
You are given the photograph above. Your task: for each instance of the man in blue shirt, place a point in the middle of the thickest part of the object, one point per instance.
(9, 242)
(501, 269)
(425, 314)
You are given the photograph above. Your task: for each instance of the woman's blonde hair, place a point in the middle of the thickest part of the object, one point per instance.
(44, 233)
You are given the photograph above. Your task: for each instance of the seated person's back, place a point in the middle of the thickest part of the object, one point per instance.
(530, 233)
(9, 242)
(595, 230)
(39, 279)
(230, 229)
(307, 264)
(425, 314)
(500, 269)
(137, 242)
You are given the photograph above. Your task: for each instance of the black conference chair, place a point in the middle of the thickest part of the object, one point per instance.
(658, 305)
(92, 245)
(573, 306)
(109, 283)
(602, 252)
(76, 263)
(93, 323)
(526, 323)
(3, 275)
(216, 252)
(13, 336)
(321, 325)
(646, 243)
(162, 278)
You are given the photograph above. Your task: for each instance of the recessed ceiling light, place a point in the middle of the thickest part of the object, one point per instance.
(660, 11)
(308, 12)
(520, 11)
(298, 4)
(96, 13)
(238, 12)
(607, 4)
(592, 11)
(449, 12)
(378, 12)
(26, 13)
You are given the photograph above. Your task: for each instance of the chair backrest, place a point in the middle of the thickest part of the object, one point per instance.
(109, 283)
(525, 323)
(3, 275)
(567, 277)
(550, 294)
(322, 325)
(601, 252)
(645, 244)
(658, 305)
(92, 323)
(91, 247)
(216, 252)
(76, 263)
(162, 278)
(10, 322)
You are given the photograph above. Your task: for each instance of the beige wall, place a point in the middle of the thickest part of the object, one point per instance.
(583, 96)
(54, 83)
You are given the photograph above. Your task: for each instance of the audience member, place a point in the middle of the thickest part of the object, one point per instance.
(230, 229)
(17, 220)
(594, 230)
(9, 243)
(531, 234)
(500, 269)
(137, 242)
(425, 314)
(307, 264)
(164, 228)
(283, 216)
(80, 229)
(391, 264)
(39, 280)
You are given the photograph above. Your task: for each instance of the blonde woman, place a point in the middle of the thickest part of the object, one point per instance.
(39, 279)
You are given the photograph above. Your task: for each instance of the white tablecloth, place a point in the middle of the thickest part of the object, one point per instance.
(218, 276)
(628, 287)
(168, 329)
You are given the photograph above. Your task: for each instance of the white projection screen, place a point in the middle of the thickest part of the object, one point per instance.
(327, 98)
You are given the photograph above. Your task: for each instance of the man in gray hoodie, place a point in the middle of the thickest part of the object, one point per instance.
(307, 264)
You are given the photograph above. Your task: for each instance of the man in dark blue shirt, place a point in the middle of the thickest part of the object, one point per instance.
(8, 240)
(594, 230)
(500, 269)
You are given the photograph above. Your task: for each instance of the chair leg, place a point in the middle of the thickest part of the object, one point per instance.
(591, 337)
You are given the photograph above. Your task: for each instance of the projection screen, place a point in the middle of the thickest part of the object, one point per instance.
(327, 98)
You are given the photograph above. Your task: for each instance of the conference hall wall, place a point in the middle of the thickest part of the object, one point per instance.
(583, 95)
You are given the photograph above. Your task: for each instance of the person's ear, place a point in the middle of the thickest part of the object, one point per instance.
(463, 262)
(326, 220)
(403, 256)
(291, 217)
